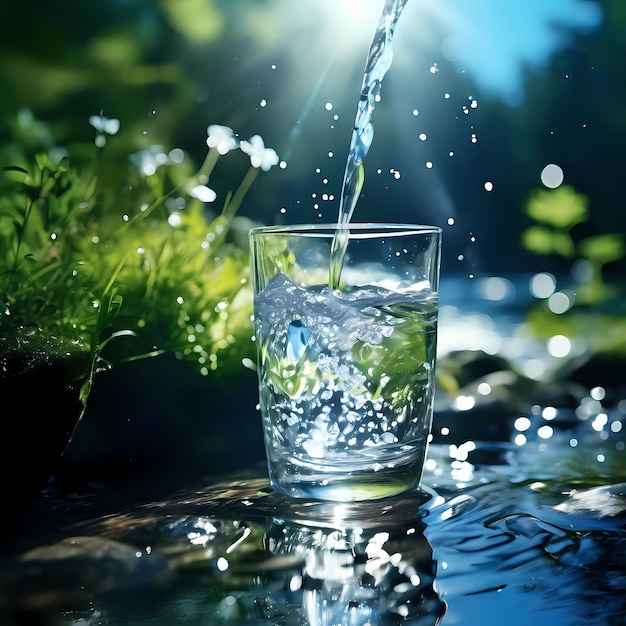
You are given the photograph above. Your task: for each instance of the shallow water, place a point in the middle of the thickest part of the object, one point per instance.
(513, 535)
(519, 522)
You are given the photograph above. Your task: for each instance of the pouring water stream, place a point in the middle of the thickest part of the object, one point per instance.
(378, 62)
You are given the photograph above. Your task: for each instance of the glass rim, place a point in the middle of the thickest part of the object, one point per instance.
(355, 230)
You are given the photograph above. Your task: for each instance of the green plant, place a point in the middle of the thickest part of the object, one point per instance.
(595, 310)
(93, 250)
(556, 212)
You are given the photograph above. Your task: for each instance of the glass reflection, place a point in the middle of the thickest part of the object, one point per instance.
(352, 576)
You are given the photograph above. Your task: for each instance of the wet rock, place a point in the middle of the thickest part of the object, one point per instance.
(485, 408)
(73, 570)
(465, 366)
(596, 369)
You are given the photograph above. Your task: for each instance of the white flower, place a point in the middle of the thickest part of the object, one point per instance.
(150, 159)
(260, 156)
(105, 125)
(203, 193)
(222, 138)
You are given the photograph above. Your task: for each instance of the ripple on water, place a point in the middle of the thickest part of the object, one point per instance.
(507, 535)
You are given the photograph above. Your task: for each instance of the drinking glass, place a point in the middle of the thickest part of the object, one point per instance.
(347, 374)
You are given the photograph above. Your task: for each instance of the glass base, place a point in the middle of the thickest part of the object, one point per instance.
(353, 487)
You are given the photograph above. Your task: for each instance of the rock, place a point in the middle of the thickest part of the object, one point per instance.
(74, 569)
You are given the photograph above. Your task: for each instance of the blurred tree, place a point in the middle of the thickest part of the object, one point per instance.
(573, 116)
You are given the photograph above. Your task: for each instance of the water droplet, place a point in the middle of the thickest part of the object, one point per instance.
(598, 393)
(484, 389)
(552, 176)
(433, 68)
(488, 186)
(545, 432)
(559, 346)
(542, 285)
(560, 302)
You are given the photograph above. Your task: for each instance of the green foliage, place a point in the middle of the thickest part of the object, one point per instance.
(556, 212)
(560, 208)
(596, 313)
(91, 251)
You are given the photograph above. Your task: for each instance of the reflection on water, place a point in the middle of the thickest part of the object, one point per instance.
(531, 550)
(522, 520)
(355, 576)
(510, 534)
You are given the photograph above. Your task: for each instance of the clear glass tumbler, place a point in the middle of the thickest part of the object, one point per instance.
(346, 374)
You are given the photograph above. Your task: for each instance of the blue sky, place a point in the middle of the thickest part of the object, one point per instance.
(494, 39)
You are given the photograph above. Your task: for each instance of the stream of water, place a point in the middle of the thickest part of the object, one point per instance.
(378, 62)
